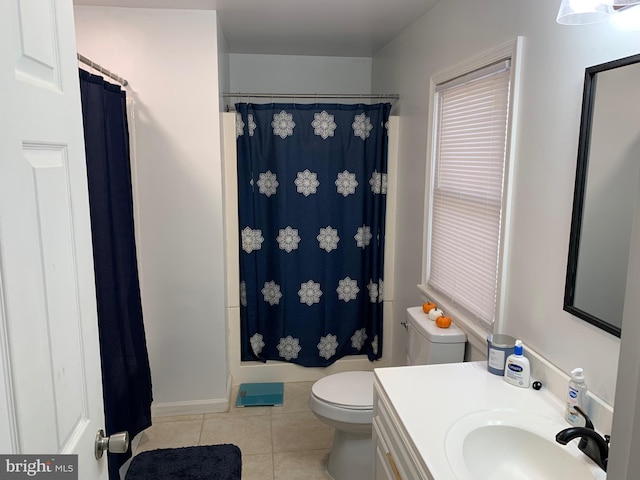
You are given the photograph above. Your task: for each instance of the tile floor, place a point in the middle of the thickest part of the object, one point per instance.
(277, 443)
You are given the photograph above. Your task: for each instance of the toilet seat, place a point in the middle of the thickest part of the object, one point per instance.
(346, 390)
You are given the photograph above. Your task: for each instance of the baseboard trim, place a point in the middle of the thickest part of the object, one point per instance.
(193, 407)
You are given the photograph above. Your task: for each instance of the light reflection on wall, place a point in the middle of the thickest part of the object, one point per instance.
(628, 19)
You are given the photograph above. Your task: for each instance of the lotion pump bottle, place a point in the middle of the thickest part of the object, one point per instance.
(517, 370)
(576, 396)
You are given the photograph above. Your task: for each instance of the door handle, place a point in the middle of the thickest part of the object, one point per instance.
(116, 443)
(392, 463)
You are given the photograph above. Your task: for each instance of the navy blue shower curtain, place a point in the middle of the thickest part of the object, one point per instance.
(312, 185)
(126, 377)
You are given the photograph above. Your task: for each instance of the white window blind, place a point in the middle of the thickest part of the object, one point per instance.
(467, 195)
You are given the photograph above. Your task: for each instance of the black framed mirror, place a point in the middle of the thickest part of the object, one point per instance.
(607, 175)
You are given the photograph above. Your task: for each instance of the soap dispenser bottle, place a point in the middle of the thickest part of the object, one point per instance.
(517, 370)
(576, 396)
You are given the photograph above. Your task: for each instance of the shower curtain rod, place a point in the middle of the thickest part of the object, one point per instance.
(339, 96)
(101, 69)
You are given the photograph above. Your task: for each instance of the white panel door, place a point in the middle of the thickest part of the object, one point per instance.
(50, 381)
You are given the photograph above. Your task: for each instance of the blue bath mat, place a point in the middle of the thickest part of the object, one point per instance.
(260, 394)
(210, 462)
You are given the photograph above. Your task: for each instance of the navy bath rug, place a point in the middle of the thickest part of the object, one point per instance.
(210, 462)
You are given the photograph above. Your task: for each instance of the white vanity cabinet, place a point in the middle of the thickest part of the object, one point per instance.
(423, 414)
(395, 456)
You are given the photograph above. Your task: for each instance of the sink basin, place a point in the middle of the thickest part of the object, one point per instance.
(510, 445)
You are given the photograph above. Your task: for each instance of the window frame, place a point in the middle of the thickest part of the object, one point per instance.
(510, 50)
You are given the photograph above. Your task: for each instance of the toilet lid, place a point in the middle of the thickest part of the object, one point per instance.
(348, 389)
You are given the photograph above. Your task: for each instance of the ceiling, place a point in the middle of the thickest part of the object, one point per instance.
(343, 28)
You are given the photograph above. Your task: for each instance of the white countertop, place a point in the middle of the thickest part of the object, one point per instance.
(429, 399)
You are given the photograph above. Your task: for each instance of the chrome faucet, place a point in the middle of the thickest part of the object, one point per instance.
(591, 443)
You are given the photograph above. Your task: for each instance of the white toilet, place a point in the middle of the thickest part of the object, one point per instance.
(344, 401)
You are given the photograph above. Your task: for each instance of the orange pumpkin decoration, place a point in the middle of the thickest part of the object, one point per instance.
(443, 322)
(428, 306)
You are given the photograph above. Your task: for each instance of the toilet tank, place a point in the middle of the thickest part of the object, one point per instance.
(429, 344)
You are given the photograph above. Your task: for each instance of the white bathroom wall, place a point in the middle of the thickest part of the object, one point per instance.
(282, 371)
(224, 67)
(553, 62)
(299, 74)
(170, 58)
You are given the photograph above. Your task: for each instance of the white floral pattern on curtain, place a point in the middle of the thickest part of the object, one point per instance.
(312, 187)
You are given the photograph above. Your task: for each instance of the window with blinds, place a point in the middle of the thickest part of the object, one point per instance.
(469, 158)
